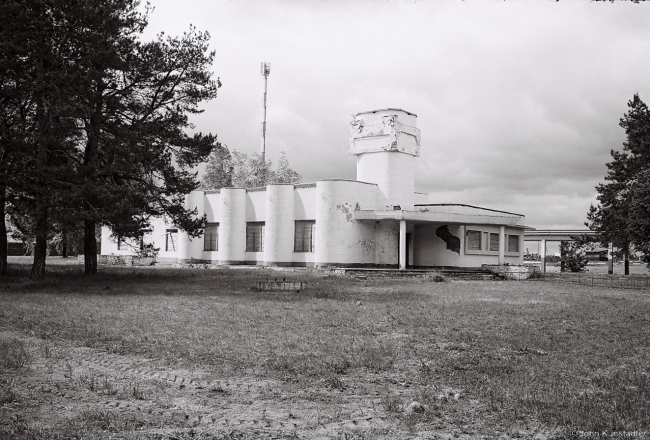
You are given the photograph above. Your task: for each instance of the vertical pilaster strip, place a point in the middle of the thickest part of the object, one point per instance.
(402, 244)
(279, 225)
(188, 247)
(502, 245)
(232, 226)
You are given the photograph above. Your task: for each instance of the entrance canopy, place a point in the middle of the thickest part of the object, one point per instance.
(445, 213)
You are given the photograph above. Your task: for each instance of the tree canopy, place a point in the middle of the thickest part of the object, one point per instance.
(621, 216)
(97, 120)
(225, 169)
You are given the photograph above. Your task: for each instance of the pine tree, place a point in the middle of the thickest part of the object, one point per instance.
(637, 128)
(133, 105)
(35, 94)
(618, 218)
(106, 120)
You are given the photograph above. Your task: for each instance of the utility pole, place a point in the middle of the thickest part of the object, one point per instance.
(266, 71)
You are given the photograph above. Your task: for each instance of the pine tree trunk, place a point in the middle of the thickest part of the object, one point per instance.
(3, 232)
(40, 250)
(626, 257)
(90, 248)
(64, 245)
(90, 162)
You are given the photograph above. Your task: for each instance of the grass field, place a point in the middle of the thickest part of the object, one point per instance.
(190, 353)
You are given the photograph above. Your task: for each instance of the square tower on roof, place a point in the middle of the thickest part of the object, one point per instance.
(386, 143)
(390, 129)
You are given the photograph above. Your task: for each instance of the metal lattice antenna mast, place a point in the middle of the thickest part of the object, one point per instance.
(266, 71)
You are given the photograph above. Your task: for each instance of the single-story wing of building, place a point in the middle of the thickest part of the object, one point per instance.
(377, 220)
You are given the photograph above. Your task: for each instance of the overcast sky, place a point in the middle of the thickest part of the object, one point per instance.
(518, 102)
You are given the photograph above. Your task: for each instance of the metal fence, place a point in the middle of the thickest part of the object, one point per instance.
(639, 282)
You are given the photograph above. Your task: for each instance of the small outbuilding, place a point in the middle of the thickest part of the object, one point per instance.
(377, 220)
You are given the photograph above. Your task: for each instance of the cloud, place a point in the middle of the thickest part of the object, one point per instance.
(518, 103)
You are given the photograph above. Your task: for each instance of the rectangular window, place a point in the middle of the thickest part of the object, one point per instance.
(171, 240)
(513, 243)
(494, 242)
(211, 237)
(255, 237)
(474, 240)
(305, 237)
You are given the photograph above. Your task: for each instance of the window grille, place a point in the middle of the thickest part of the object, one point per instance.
(211, 237)
(513, 243)
(305, 236)
(255, 237)
(474, 240)
(494, 242)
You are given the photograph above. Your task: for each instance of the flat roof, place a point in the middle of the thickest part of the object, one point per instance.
(468, 206)
(442, 216)
(386, 109)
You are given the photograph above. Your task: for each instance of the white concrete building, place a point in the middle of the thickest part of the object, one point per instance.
(377, 220)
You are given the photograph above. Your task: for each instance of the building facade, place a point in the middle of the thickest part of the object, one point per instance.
(377, 220)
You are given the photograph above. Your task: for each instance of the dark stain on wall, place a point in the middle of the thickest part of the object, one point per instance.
(346, 209)
(453, 242)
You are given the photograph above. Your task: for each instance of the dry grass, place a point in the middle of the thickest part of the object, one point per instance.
(486, 358)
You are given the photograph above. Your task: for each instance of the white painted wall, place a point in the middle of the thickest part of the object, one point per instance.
(431, 250)
(256, 258)
(304, 207)
(109, 244)
(304, 259)
(393, 172)
(279, 225)
(256, 205)
(158, 237)
(212, 206)
(387, 243)
(232, 226)
(339, 238)
(192, 247)
(385, 143)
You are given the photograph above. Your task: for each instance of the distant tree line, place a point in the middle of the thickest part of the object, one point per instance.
(622, 215)
(225, 169)
(94, 122)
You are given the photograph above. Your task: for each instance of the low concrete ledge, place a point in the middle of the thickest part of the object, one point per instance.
(120, 260)
(285, 286)
(513, 272)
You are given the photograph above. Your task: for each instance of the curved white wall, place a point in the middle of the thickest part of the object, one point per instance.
(340, 239)
(232, 226)
(191, 247)
(393, 172)
(279, 225)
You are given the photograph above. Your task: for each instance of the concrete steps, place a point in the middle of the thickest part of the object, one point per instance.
(454, 273)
